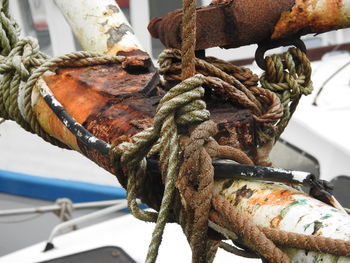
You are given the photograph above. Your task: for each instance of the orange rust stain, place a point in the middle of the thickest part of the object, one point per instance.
(51, 124)
(125, 118)
(117, 48)
(84, 91)
(275, 222)
(278, 197)
(314, 16)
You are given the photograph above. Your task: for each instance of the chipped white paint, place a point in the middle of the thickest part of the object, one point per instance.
(299, 176)
(279, 206)
(99, 26)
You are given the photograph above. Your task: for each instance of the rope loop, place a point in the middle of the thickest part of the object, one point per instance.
(289, 77)
(181, 106)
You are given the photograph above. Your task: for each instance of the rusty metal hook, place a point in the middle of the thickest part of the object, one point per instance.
(271, 44)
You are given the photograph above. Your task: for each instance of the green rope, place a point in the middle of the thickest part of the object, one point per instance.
(180, 106)
(289, 76)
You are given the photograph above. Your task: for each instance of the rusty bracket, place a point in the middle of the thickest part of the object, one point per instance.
(235, 23)
(275, 43)
(232, 24)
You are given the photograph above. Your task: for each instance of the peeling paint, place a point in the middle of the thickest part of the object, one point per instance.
(99, 26)
(312, 16)
(243, 193)
(113, 8)
(278, 197)
(282, 207)
(317, 226)
(116, 34)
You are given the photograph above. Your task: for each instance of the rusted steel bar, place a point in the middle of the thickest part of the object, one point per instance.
(241, 22)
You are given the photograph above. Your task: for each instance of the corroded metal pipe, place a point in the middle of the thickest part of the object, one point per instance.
(244, 22)
(313, 17)
(278, 206)
(99, 26)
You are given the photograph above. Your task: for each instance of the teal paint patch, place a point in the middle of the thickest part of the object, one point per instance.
(325, 217)
(286, 210)
(307, 226)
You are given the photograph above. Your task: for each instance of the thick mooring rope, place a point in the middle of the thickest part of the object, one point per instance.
(286, 79)
(184, 97)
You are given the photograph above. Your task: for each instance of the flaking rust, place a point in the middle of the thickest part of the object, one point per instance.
(224, 23)
(242, 22)
(310, 16)
(114, 102)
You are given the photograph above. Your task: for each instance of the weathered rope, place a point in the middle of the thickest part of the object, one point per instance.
(188, 46)
(288, 76)
(227, 215)
(185, 95)
(195, 184)
(66, 209)
(308, 242)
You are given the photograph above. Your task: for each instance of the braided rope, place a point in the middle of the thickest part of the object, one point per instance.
(228, 216)
(235, 84)
(185, 98)
(289, 77)
(188, 46)
(195, 184)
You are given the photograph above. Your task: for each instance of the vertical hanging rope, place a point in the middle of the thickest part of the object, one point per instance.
(189, 17)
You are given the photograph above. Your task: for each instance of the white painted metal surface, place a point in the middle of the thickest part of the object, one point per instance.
(282, 207)
(99, 26)
(24, 152)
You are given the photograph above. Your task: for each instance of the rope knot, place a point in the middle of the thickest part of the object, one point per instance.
(22, 59)
(289, 77)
